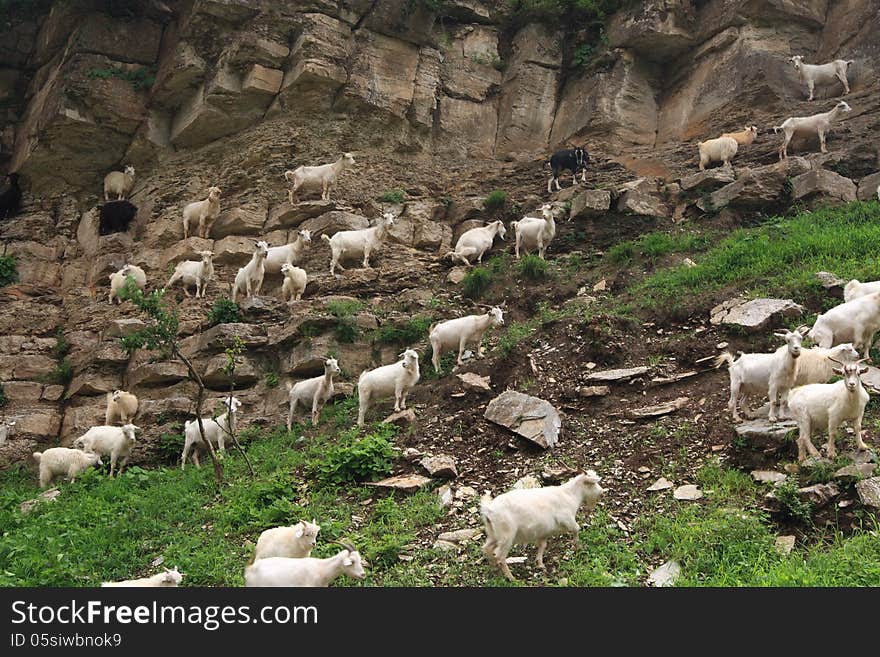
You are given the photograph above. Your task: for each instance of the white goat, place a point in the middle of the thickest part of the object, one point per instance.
(64, 461)
(165, 578)
(295, 281)
(115, 442)
(204, 212)
(720, 149)
(194, 272)
(117, 280)
(6, 430)
(307, 571)
(476, 241)
(815, 365)
(535, 232)
(249, 278)
(828, 73)
(294, 542)
(356, 243)
(462, 332)
(828, 405)
(396, 379)
(764, 374)
(122, 406)
(818, 124)
(853, 321)
(854, 289)
(118, 183)
(745, 136)
(324, 175)
(312, 393)
(289, 253)
(216, 430)
(533, 515)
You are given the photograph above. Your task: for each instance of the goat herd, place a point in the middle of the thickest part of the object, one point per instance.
(793, 378)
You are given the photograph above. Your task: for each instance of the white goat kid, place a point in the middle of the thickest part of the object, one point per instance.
(475, 242)
(163, 579)
(216, 430)
(294, 284)
(854, 289)
(122, 406)
(822, 74)
(720, 149)
(115, 442)
(350, 244)
(289, 253)
(307, 571)
(535, 232)
(194, 272)
(312, 393)
(745, 136)
(828, 405)
(533, 515)
(119, 278)
(764, 374)
(65, 462)
(295, 542)
(324, 175)
(396, 379)
(249, 278)
(462, 332)
(818, 124)
(204, 212)
(855, 321)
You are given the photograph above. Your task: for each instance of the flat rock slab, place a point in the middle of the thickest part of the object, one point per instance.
(456, 275)
(869, 492)
(616, 376)
(871, 379)
(401, 418)
(659, 410)
(819, 494)
(754, 314)
(829, 280)
(709, 180)
(460, 535)
(661, 484)
(665, 575)
(768, 476)
(593, 391)
(687, 492)
(761, 428)
(407, 483)
(784, 544)
(442, 465)
(857, 470)
(46, 496)
(532, 418)
(475, 382)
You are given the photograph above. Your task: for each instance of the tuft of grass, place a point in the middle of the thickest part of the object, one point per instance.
(404, 333)
(356, 458)
(654, 245)
(139, 78)
(516, 332)
(224, 311)
(393, 196)
(532, 267)
(272, 379)
(346, 327)
(779, 257)
(8, 270)
(495, 201)
(476, 282)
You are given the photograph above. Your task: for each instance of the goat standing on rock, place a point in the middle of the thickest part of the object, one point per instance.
(822, 73)
(356, 243)
(818, 124)
(461, 332)
(324, 175)
(571, 159)
(249, 278)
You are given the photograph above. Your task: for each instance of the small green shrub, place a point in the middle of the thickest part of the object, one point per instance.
(356, 459)
(532, 267)
(140, 78)
(393, 196)
(495, 201)
(346, 327)
(8, 270)
(62, 374)
(272, 379)
(476, 282)
(792, 504)
(406, 333)
(170, 444)
(515, 333)
(224, 311)
(62, 346)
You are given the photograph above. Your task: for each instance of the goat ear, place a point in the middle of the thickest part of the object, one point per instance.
(298, 532)
(863, 370)
(837, 370)
(347, 562)
(780, 334)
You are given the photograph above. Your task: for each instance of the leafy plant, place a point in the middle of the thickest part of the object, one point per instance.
(393, 196)
(170, 444)
(62, 346)
(792, 504)
(405, 333)
(140, 78)
(476, 282)
(224, 311)
(356, 459)
(272, 379)
(495, 201)
(8, 270)
(346, 327)
(532, 267)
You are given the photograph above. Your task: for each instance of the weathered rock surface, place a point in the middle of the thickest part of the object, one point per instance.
(530, 417)
(754, 314)
(616, 376)
(869, 492)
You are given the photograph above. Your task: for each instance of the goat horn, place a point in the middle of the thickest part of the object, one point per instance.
(834, 360)
(347, 545)
(862, 360)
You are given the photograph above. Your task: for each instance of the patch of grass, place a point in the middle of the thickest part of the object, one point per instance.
(532, 267)
(779, 257)
(170, 444)
(792, 505)
(403, 333)
(495, 201)
(355, 458)
(224, 311)
(8, 270)
(346, 327)
(140, 78)
(654, 245)
(393, 196)
(272, 379)
(61, 375)
(516, 332)
(476, 282)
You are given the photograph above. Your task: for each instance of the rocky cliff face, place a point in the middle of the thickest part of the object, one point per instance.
(444, 103)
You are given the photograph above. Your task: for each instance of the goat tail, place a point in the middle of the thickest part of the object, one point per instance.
(850, 62)
(776, 129)
(288, 385)
(726, 357)
(37, 456)
(325, 238)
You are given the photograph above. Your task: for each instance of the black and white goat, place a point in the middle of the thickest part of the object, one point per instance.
(571, 159)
